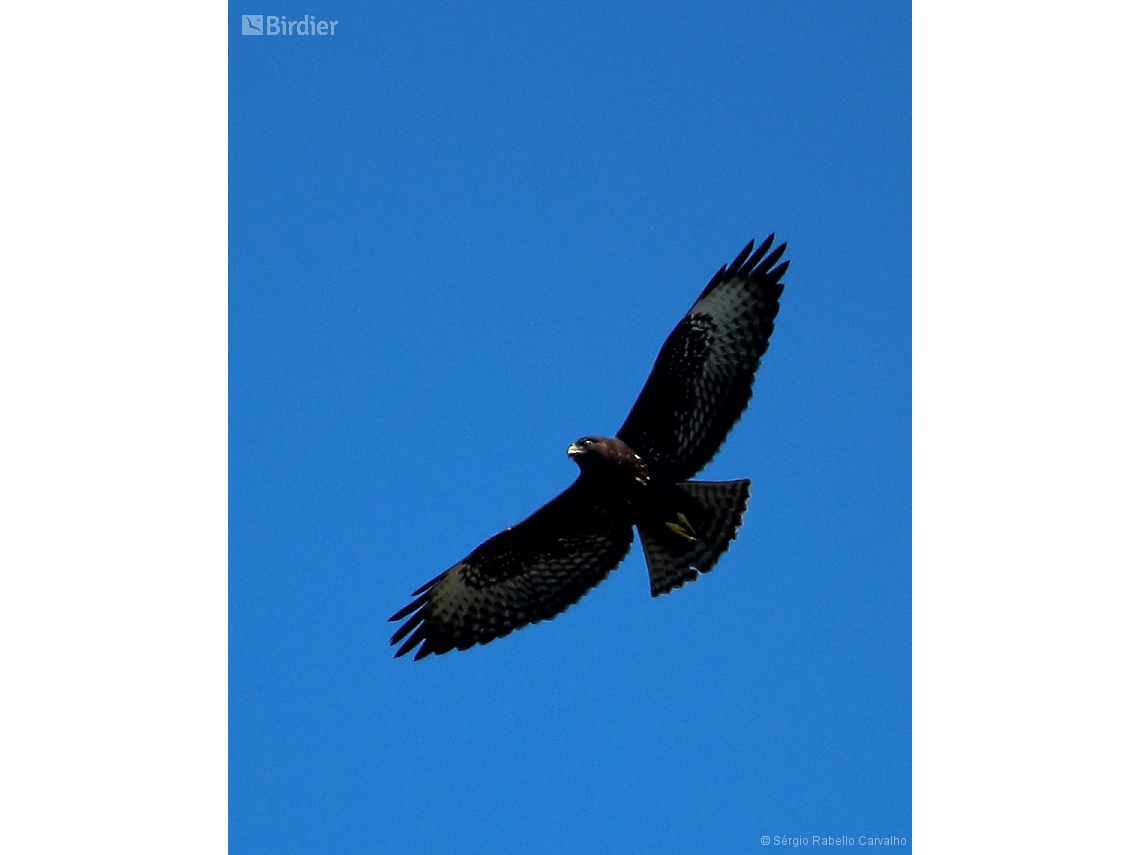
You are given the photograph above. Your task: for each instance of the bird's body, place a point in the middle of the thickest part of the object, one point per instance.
(638, 479)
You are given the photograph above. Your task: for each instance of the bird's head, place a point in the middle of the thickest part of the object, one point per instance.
(586, 446)
(599, 453)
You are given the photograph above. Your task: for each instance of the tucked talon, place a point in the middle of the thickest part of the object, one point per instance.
(680, 532)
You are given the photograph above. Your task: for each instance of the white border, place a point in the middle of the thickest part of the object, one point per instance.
(1025, 511)
(113, 359)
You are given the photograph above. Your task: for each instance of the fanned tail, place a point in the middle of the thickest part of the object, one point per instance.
(677, 551)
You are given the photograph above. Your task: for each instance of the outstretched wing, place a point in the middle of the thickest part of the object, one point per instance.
(530, 572)
(702, 379)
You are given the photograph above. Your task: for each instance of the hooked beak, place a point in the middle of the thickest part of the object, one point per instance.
(574, 450)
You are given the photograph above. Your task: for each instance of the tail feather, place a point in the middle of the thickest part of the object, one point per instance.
(715, 515)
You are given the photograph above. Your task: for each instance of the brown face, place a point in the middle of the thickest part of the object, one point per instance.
(598, 453)
(588, 445)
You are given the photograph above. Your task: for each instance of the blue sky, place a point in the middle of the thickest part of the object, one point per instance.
(459, 234)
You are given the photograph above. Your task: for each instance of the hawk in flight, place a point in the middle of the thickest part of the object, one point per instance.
(697, 390)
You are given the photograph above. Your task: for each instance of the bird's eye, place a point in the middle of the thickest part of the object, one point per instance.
(586, 442)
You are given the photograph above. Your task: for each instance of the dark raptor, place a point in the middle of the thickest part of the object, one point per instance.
(697, 390)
